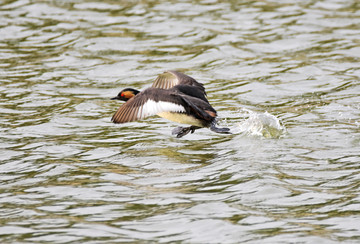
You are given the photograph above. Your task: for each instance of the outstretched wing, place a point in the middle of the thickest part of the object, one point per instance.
(148, 103)
(171, 78)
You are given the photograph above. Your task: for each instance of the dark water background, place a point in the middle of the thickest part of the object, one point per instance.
(68, 175)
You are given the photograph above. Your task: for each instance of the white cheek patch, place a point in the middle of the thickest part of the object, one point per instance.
(151, 108)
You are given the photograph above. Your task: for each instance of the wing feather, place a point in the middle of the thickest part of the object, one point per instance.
(171, 78)
(147, 104)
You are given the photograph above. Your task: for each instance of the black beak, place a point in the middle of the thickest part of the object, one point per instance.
(115, 98)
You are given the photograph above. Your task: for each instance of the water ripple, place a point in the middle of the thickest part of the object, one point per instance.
(283, 75)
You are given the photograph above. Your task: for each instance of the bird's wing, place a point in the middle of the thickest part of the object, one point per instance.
(171, 78)
(148, 103)
(198, 108)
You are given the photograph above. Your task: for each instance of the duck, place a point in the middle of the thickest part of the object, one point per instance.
(173, 96)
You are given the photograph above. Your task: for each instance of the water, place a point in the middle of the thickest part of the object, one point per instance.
(283, 75)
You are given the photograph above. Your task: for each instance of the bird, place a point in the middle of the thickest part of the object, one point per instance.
(173, 96)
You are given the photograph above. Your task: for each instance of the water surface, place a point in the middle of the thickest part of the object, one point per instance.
(67, 174)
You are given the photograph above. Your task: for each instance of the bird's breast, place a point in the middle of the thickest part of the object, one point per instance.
(181, 118)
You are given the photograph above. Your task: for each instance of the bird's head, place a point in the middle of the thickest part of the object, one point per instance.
(126, 94)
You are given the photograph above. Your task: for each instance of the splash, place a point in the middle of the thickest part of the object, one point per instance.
(259, 124)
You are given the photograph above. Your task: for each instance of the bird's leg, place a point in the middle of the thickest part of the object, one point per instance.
(219, 130)
(193, 128)
(182, 131)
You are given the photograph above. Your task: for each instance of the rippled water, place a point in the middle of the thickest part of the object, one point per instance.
(68, 175)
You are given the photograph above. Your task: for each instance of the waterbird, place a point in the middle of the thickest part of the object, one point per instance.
(173, 96)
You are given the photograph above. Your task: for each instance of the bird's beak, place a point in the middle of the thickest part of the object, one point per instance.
(115, 98)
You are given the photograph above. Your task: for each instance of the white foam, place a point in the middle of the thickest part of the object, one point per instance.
(259, 124)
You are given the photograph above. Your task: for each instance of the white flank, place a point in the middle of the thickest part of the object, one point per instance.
(151, 108)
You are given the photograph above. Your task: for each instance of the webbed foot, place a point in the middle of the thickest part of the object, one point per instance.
(219, 130)
(182, 131)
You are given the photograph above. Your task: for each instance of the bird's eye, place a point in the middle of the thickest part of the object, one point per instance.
(122, 94)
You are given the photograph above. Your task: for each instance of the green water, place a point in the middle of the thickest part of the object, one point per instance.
(68, 175)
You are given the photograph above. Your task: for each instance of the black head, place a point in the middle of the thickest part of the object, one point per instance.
(126, 94)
